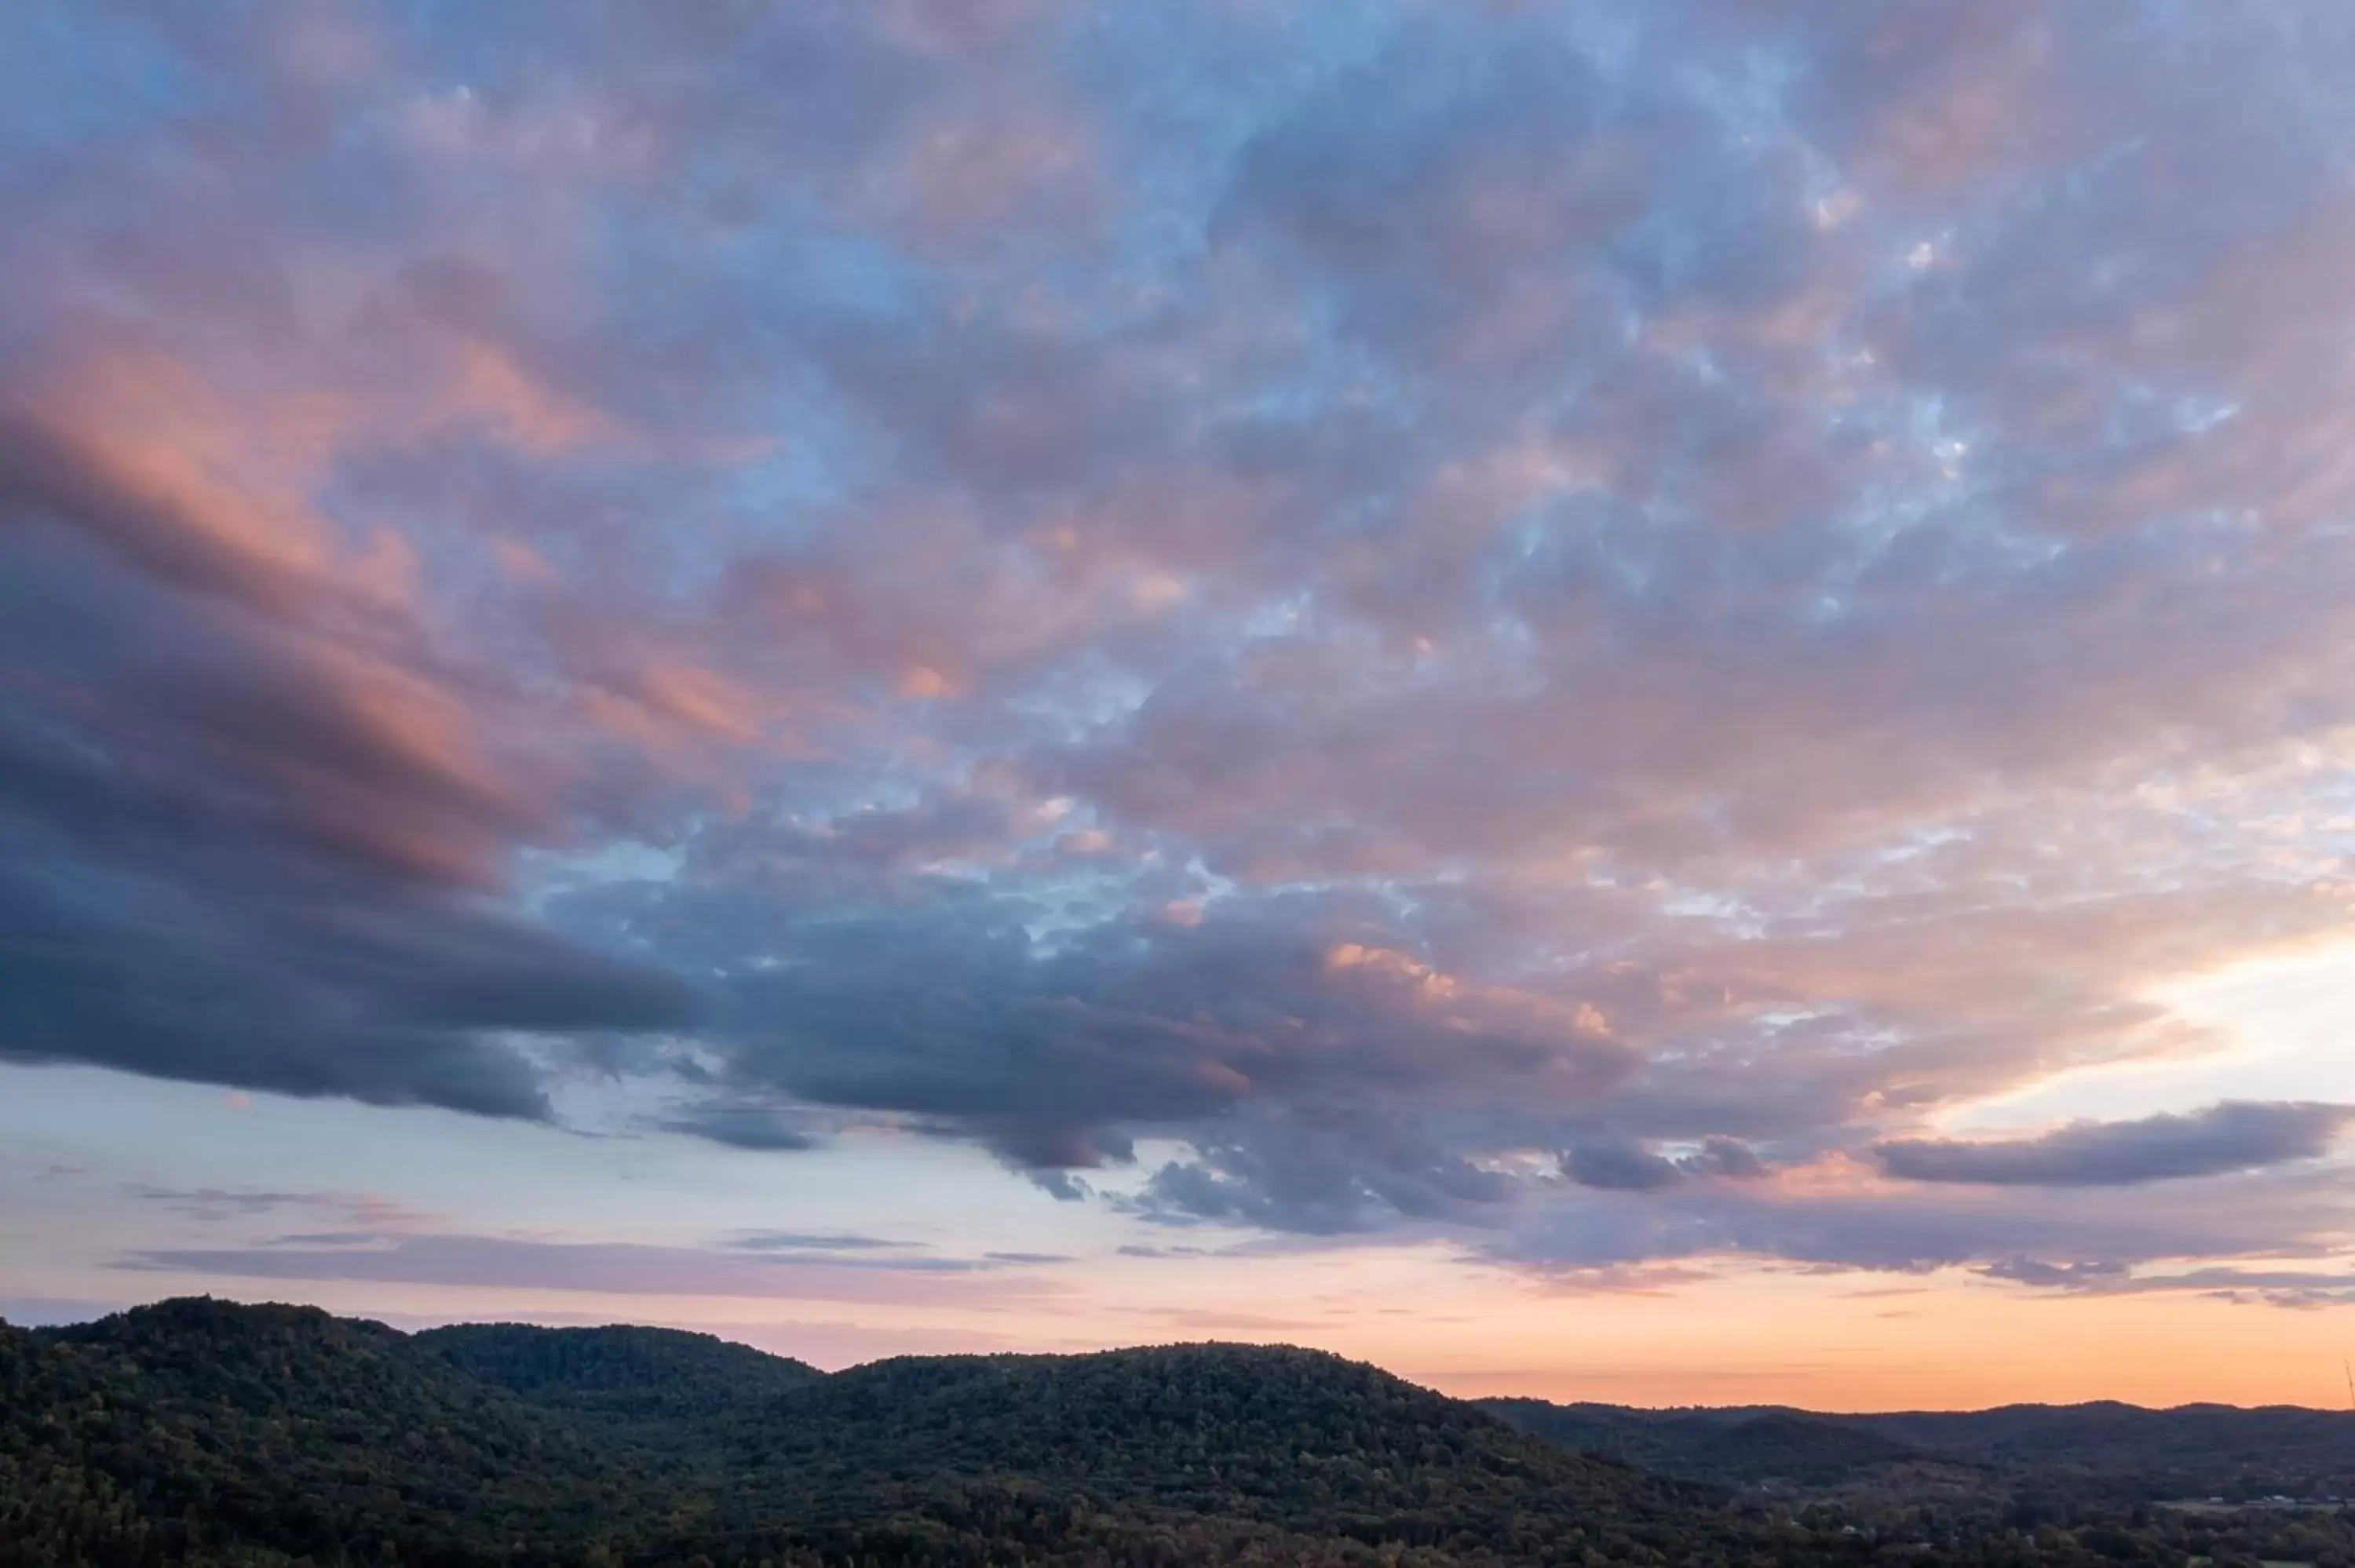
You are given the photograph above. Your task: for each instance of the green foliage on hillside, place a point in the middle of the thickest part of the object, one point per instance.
(621, 1373)
(201, 1431)
(1296, 1440)
(194, 1423)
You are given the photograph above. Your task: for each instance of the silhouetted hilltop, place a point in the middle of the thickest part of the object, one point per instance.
(620, 1373)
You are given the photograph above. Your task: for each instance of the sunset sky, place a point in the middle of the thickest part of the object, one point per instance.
(1648, 701)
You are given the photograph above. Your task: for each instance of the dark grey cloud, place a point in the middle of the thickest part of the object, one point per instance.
(938, 1006)
(2236, 1135)
(1619, 1167)
(1061, 1185)
(242, 854)
(753, 1127)
(1319, 1173)
(1618, 1164)
(1727, 1157)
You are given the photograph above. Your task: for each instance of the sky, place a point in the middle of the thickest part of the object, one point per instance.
(1645, 701)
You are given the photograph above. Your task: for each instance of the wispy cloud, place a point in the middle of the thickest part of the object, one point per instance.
(615, 1269)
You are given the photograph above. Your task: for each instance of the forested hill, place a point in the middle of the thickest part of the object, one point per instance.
(189, 1429)
(620, 1374)
(1291, 1439)
(2193, 1450)
(206, 1433)
(2209, 1444)
(198, 1431)
(1730, 1446)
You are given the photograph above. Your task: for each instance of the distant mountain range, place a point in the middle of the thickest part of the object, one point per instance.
(201, 1431)
(2193, 1450)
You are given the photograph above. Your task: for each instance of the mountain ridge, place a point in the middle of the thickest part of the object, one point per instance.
(434, 1332)
(2196, 1448)
(204, 1432)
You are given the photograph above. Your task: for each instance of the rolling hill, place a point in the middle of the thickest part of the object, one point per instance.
(1296, 1441)
(2193, 1450)
(206, 1433)
(1730, 1447)
(619, 1373)
(200, 1431)
(194, 1425)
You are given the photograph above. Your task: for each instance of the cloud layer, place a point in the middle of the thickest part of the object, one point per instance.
(1562, 625)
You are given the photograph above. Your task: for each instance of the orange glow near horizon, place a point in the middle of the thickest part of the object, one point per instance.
(1840, 1342)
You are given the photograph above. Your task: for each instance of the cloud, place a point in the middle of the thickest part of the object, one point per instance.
(819, 1242)
(355, 1210)
(1322, 1176)
(938, 1006)
(2088, 1275)
(1062, 1186)
(2294, 1289)
(2236, 1135)
(1525, 627)
(755, 1127)
(1619, 1167)
(621, 1269)
(260, 849)
(1727, 1157)
(1838, 1216)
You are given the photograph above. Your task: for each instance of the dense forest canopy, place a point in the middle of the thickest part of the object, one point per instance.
(2193, 1450)
(620, 1374)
